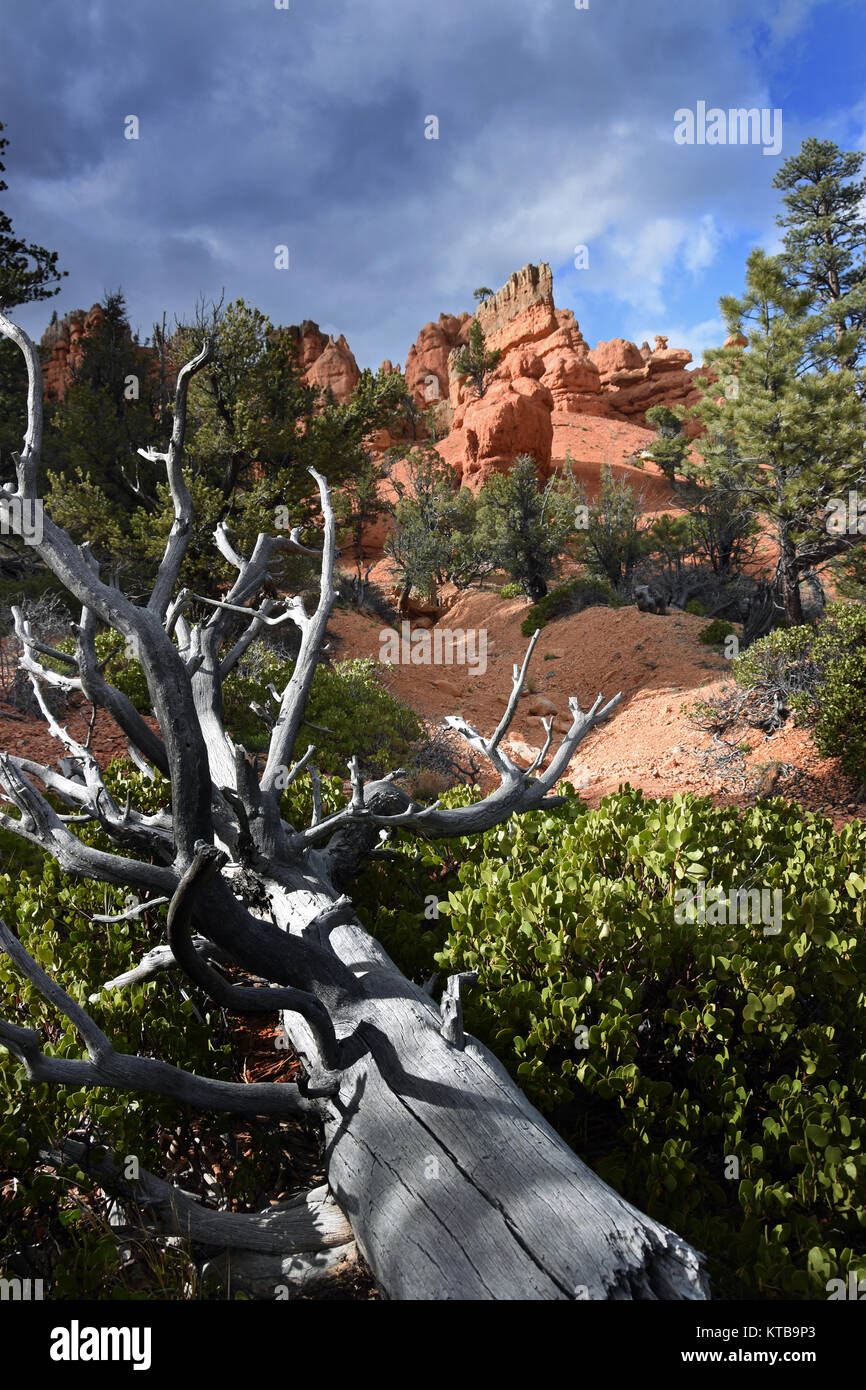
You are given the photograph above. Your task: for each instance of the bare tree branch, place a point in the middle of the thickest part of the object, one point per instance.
(122, 1071)
(40, 824)
(168, 680)
(313, 631)
(141, 736)
(131, 912)
(519, 676)
(155, 961)
(308, 1221)
(518, 791)
(240, 998)
(181, 530)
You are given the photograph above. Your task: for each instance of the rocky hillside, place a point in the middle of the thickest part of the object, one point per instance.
(543, 350)
(551, 394)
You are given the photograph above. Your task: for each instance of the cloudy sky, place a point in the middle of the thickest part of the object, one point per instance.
(306, 126)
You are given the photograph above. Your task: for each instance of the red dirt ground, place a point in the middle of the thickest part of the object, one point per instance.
(657, 663)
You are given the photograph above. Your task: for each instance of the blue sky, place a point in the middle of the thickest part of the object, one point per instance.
(305, 127)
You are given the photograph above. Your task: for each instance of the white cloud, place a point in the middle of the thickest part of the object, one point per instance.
(790, 17)
(306, 127)
(702, 244)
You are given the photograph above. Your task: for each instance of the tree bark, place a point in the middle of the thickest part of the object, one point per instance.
(788, 580)
(454, 1185)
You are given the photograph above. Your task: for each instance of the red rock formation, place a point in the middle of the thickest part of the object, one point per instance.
(540, 343)
(522, 311)
(615, 357)
(62, 347)
(513, 417)
(325, 362)
(546, 380)
(62, 350)
(427, 359)
(310, 342)
(335, 369)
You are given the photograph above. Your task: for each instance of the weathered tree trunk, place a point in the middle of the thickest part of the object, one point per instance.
(454, 1185)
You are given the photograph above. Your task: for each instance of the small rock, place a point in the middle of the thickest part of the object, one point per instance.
(449, 688)
(539, 704)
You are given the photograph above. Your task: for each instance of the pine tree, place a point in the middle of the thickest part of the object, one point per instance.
(670, 448)
(108, 412)
(474, 360)
(253, 429)
(792, 437)
(523, 527)
(27, 271)
(825, 245)
(615, 537)
(721, 524)
(436, 539)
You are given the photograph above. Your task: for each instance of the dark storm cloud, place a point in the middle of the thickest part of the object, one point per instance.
(306, 127)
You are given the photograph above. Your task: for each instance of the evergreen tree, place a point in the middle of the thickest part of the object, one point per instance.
(615, 537)
(669, 450)
(825, 245)
(107, 413)
(721, 523)
(524, 528)
(357, 505)
(474, 360)
(255, 426)
(792, 437)
(13, 404)
(27, 272)
(253, 429)
(436, 539)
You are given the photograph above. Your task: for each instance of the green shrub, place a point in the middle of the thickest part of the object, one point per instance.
(569, 598)
(121, 671)
(780, 663)
(695, 606)
(715, 632)
(512, 590)
(156, 1018)
(703, 1042)
(821, 672)
(347, 699)
(839, 653)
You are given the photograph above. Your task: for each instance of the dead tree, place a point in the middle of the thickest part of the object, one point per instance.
(453, 1185)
